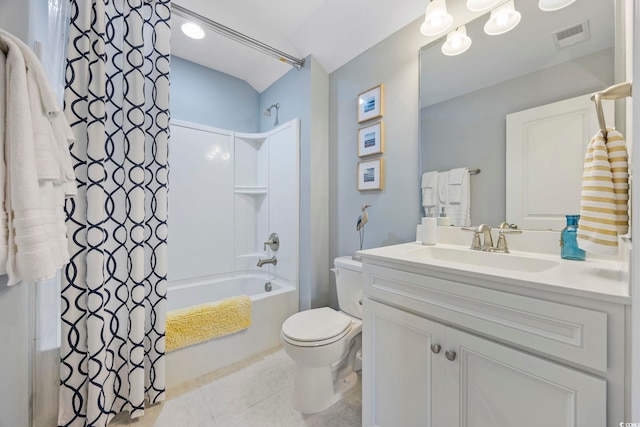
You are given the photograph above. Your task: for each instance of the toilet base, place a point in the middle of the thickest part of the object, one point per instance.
(314, 389)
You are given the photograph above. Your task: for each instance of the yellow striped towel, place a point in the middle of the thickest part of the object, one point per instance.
(604, 212)
(192, 325)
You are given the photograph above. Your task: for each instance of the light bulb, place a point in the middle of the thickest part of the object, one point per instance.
(481, 5)
(503, 19)
(553, 5)
(436, 19)
(457, 42)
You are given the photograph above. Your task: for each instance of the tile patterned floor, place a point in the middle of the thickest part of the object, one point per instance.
(252, 393)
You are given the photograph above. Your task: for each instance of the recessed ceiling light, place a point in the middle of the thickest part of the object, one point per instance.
(192, 30)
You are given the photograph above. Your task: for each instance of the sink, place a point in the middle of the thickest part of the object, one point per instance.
(511, 262)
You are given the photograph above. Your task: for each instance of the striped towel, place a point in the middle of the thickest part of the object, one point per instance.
(605, 194)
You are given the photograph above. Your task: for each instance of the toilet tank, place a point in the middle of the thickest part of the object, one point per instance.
(349, 285)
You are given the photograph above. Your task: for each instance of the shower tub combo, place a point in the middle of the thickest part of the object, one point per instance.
(229, 192)
(269, 310)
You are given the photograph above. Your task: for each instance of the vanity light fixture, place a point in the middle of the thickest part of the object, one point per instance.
(503, 19)
(553, 5)
(192, 30)
(436, 19)
(481, 5)
(457, 42)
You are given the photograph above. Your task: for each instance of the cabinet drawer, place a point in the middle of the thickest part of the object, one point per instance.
(575, 334)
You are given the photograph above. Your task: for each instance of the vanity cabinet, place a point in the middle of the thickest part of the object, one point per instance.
(444, 353)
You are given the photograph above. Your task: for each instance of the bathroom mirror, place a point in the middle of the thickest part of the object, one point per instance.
(464, 99)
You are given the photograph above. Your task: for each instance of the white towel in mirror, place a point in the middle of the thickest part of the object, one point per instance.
(429, 186)
(458, 185)
(458, 197)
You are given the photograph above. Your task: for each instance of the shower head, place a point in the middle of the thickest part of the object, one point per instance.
(267, 111)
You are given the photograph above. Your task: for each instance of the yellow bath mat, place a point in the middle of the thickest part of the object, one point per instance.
(192, 325)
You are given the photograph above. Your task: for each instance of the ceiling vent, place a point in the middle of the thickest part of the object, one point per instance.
(572, 35)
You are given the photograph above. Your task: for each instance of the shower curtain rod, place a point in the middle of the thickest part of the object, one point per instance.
(237, 36)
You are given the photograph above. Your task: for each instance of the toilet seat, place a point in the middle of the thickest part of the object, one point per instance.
(316, 327)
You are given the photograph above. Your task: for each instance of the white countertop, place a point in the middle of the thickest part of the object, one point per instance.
(597, 278)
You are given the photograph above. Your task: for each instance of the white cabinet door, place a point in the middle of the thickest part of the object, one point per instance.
(401, 374)
(490, 385)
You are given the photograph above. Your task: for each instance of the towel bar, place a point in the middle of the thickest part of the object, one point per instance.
(621, 90)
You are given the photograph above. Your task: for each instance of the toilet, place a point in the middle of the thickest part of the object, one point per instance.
(324, 343)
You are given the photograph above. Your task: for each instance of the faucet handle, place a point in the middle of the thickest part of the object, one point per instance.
(502, 240)
(476, 244)
(273, 242)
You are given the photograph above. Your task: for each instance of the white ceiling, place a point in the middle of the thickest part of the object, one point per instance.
(332, 31)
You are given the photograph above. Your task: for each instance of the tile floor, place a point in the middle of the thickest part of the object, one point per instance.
(253, 393)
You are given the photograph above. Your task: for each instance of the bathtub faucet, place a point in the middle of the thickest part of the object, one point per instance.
(271, 260)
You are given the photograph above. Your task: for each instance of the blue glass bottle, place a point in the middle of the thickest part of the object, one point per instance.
(569, 242)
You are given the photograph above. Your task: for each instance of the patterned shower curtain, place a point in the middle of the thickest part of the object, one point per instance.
(114, 289)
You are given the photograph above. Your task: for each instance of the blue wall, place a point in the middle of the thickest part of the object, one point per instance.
(293, 92)
(304, 94)
(208, 97)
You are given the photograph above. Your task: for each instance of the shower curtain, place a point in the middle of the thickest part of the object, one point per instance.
(114, 288)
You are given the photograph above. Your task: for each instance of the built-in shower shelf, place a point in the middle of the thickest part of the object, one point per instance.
(254, 139)
(249, 189)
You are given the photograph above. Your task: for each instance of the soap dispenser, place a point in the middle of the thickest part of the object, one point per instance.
(443, 219)
(569, 241)
(429, 228)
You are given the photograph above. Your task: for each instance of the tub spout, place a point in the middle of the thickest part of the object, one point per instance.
(271, 260)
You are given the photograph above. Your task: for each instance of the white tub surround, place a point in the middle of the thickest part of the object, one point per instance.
(524, 338)
(229, 192)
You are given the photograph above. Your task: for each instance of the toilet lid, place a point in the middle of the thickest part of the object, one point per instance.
(316, 325)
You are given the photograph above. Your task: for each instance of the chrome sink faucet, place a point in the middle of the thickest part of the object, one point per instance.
(271, 260)
(486, 243)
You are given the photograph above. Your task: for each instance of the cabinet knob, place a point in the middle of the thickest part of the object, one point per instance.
(450, 354)
(435, 348)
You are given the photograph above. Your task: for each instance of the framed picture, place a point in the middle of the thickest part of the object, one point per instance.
(370, 175)
(371, 140)
(370, 104)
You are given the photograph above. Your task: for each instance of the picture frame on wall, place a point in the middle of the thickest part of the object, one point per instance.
(370, 104)
(371, 140)
(371, 175)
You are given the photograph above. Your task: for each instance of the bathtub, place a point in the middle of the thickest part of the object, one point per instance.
(269, 310)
